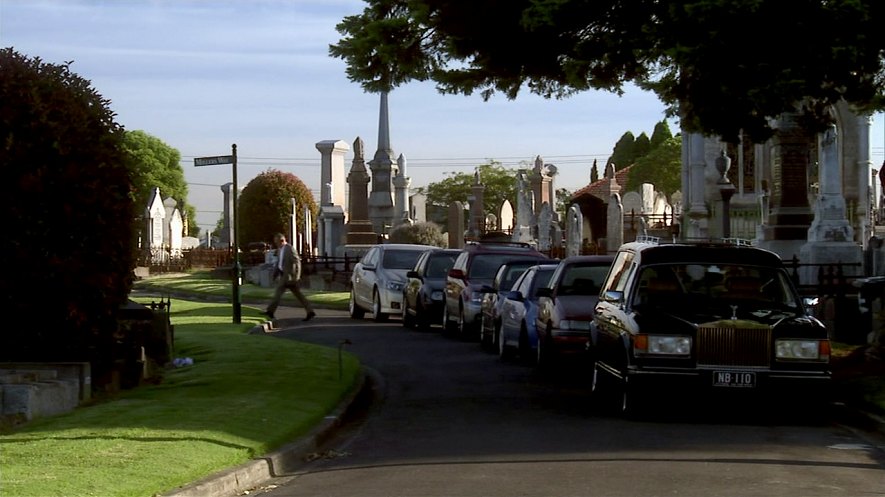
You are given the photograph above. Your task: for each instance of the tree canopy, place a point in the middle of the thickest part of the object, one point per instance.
(157, 165)
(68, 225)
(265, 206)
(500, 185)
(721, 66)
(662, 167)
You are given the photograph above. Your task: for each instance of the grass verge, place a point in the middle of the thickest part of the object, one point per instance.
(202, 283)
(244, 396)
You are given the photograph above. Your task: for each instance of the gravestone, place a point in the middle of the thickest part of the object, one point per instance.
(330, 224)
(647, 192)
(456, 225)
(614, 224)
(545, 222)
(632, 203)
(155, 214)
(506, 218)
(383, 166)
(491, 222)
(830, 237)
(524, 208)
(574, 231)
(477, 216)
(359, 228)
(401, 183)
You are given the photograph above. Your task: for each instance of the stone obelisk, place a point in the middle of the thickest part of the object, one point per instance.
(382, 212)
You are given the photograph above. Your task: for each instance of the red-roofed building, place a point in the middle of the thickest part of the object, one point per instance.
(593, 201)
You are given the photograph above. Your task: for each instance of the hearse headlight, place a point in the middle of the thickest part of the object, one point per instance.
(670, 345)
(573, 324)
(802, 350)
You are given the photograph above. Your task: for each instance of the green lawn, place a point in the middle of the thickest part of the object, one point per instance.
(244, 396)
(201, 283)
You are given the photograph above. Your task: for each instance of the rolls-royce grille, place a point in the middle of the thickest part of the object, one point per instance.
(728, 346)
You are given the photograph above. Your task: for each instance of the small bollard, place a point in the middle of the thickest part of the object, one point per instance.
(341, 345)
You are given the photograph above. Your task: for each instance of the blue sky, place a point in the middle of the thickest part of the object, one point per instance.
(201, 75)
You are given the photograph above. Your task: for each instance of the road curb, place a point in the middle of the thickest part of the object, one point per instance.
(236, 480)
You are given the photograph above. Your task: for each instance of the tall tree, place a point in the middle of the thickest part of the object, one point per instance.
(696, 55)
(642, 146)
(660, 134)
(594, 172)
(68, 216)
(624, 151)
(158, 165)
(265, 206)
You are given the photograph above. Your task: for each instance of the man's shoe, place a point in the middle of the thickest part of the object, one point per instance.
(310, 315)
(268, 314)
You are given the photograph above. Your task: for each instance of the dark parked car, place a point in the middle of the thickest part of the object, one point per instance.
(423, 293)
(717, 317)
(519, 311)
(566, 305)
(475, 267)
(493, 297)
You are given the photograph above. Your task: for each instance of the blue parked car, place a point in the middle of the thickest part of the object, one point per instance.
(519, 312)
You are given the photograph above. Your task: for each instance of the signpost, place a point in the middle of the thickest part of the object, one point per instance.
(235, 245)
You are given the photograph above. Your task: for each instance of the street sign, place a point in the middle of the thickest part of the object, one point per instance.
(214, 161)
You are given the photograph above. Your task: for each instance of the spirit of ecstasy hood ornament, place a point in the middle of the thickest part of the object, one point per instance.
(734, 312)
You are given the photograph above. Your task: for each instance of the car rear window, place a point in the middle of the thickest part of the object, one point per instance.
(401, 259)
(582, 280)
(484, 266)
(438, 265)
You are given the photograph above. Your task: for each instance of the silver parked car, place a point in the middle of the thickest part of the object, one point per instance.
(379, 277)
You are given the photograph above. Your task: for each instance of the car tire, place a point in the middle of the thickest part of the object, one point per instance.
(544, 359)
(356, 312)
(504, 350)
(486, 340)
(378, 316)
(422, 320)
(525, 350)
(448, 327)
(463, 329)
(408, 319)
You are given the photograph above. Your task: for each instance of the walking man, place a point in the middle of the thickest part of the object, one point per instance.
(287, 274)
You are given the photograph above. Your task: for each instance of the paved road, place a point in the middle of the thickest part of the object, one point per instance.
(452, 421)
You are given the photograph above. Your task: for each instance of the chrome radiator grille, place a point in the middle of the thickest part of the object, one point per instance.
(728, 346)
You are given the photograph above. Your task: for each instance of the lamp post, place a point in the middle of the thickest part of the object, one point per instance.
(726, 190)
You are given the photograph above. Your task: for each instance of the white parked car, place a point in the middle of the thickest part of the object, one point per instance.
(379, 277)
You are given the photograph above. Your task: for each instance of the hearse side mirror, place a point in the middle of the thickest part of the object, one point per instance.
(515, 295)
(545, 292)
(613, 296)
(413, 274)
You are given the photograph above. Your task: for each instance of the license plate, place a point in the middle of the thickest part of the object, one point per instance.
(734, 379)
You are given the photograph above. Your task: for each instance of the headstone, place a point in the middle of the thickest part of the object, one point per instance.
(330, 223)
(647, 192)
(418, 207)
(830, 237)
(491, 222)
(401, 183)
(155, 214)
(456, 225)
(506, 218)
(615, 224)
(524, 208)
(545, 220)
(574, 231)
(790, 214)
(359, 228)
(632, 203)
